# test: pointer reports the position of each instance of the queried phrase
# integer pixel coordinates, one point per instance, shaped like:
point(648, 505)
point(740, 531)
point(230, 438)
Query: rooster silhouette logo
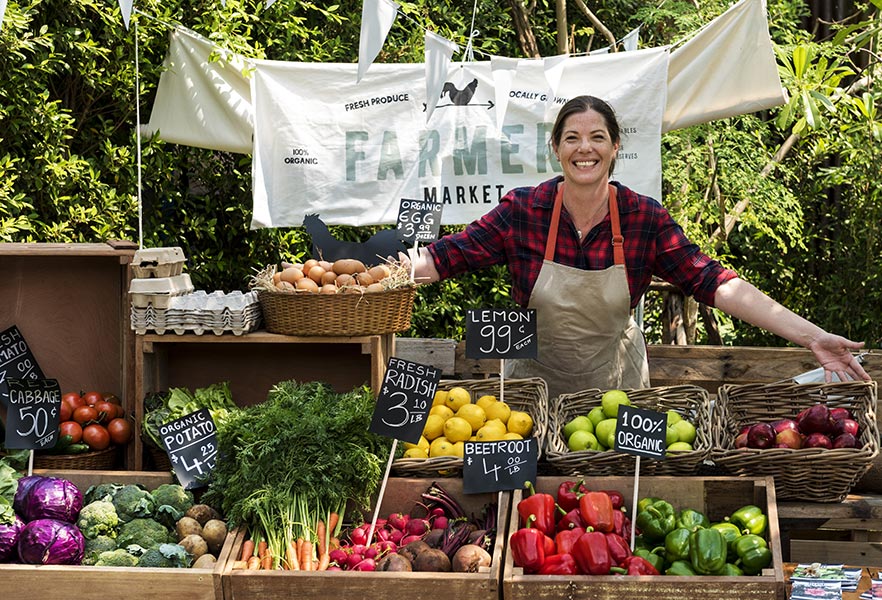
point(460, 97)
point(371, 252)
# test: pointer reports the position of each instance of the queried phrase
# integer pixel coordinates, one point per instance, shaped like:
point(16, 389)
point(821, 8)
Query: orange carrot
point(253, 563)
point(262, 547)
point(266, 563)
point(306, 562)
point(334, 543)
point(332, 522)
point(324, 561)
point(247, 550)
point(322, 544)
point(291, 560)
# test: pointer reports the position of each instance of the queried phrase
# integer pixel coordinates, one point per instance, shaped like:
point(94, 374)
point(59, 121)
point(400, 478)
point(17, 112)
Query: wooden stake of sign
point(636, 495)
point(382, 493)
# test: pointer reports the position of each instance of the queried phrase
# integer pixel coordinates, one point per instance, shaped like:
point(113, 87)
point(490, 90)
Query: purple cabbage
point(51, 542)
point(9, 534)
point(24, 486)
point(50, 498)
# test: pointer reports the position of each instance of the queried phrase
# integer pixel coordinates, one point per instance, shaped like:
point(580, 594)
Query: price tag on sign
point(191, 444)
point(404, 400)
point(501, 333)
point(418, 221)
point(16, 361)
point(33, 413)
point(497, 466)
point(641, 432)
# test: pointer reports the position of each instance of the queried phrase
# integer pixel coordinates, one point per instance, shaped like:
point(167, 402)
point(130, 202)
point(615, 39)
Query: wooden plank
point(440, 353)
point(858, 506)
point(867, 554)
point(63, 250)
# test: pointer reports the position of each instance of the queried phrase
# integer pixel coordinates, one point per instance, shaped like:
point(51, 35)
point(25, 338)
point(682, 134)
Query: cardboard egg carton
point(151, 263)
point(158, 292)
point(199, 313)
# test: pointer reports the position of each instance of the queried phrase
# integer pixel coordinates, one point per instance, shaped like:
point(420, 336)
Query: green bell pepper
point(677, 545)
point(653, 557)
point(707, 551)
point(656, 520)
point(753, 553)
point(680, 567)
point(692, 519)
point(730, 570)
point(750, 519)
point(644, 502)
point(730, 533)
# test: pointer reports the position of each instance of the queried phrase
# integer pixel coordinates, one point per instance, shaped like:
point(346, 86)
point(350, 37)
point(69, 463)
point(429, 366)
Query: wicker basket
point(344, 314)
point(158, 458)
point(810, 474)
point(528, 395)
point(98, 460)
point(692, 402)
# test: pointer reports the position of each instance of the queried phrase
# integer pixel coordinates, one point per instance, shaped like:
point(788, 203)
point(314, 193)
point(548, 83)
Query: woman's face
point(585, 150)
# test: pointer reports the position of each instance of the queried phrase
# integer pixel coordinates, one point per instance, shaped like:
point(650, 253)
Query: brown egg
point(379, 272)
point(344, 280)
point(375, 287)
point(309, 264)
point(277, 277)
point(329, 277)
point(327, 266)
point(285, 286)
point(291, 275)
point(316, 273)
point(328, 288)
point(364, 279)
point(307, 285)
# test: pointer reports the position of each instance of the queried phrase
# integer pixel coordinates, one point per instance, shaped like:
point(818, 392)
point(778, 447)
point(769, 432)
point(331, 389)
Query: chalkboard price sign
point(191, 444)
point(33, 413)
point(501, 333)
point(500, 465)
point(641, 432)
point(404, 400)
point(418, 221)
point(16, 361)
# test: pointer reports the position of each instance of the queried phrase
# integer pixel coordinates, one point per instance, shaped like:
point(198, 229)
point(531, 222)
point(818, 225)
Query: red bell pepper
point(550, 546)
point(559, 564)
point(617, 498)
point(540, 505)
point(621, 524)
point(592, 554)
point(571, 520)
point(619, 549)
point(564, 540)
point(528, 548)
point(568, 494)
point(637, 565)
point(597, 510)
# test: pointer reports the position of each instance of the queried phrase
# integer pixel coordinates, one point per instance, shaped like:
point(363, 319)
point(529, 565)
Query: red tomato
point(93, 398)
point(96, 436)
point(65, 411)
point(120, 431)
point(73, 429)
point(107, 411)
point(74, 399)
point(85, 414)
point(111, 397)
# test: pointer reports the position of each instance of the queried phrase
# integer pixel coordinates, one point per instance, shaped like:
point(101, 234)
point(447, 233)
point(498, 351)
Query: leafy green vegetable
point(116, 558)
point(160, 408)
point(143, 532)
point(290, 461)
point(8, 480)
point(165, 556)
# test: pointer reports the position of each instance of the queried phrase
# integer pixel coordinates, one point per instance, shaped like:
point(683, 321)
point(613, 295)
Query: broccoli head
point(96, 546)
point(172, 502)
point(102, 491)
point(143, 532)
point(165, 556)
point(116, 558)
point(98, 518)
point(133, 501)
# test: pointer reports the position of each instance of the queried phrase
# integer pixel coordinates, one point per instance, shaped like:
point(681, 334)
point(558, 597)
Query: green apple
point(671, 436)
point(596, 415)
point(580, 423)
point(605, 431)
point(611, 400)
point(685, 431)
point(673, 417)
point(680, 447)
point(582, 440)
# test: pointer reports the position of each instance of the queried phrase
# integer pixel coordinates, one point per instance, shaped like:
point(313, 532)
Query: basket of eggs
point(343, 298)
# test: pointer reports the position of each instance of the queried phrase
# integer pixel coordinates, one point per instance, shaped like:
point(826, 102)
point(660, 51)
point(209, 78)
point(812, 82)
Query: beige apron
point(584, 322)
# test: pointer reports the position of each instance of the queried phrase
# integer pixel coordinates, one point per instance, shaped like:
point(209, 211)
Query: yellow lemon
point(423, 444)
point(474, 414)
point(485, 401)
point(441, 447)
point(511, 435)
point(459, 449)
point(442, 411)
point(474, 438)
point(415, 453)
point(457, 429)
point(440, 397)
point(434, 427)
point(499, 410)
point(457, 397)
point(492, 431)
point(520, 422)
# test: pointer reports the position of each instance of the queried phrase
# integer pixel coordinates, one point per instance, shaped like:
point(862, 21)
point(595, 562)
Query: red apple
point(815, 420)
point(761, 435)
point(817, 440)
point(846, 426)
point(840, 413)
point(782, 424)
point(788, 438)
point(741, 440)
point(845, 440)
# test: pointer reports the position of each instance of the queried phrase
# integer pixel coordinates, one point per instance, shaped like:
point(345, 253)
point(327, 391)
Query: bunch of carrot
point(307, 551)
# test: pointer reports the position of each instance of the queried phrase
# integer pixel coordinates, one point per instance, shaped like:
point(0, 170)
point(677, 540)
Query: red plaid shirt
point(514, 233)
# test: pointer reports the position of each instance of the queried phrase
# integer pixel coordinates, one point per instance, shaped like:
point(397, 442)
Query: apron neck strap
point(617, 240)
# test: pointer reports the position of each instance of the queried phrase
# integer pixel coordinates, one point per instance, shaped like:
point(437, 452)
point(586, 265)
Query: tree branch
point(598, 25)
point(560, 10)
point(526, 39)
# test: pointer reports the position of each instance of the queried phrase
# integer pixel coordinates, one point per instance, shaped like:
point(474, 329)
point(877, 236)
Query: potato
point(214, 532)
point(206, 561)
point(195, 545)
point(364, 279)
point(375, 287)
point(348, 266)
point(343, 280)
point(202, 513)
point(285, 286)
point(187, 526)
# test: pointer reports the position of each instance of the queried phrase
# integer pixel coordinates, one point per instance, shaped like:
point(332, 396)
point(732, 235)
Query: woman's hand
point(834, 353)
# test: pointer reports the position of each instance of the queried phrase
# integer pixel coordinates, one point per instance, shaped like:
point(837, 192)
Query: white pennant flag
point(553, 67)
point(599, 51)
point(125, 7)
point(630, 41)
point(438, 51)
point(503, 70)
point(2, 12)
point(377, 17)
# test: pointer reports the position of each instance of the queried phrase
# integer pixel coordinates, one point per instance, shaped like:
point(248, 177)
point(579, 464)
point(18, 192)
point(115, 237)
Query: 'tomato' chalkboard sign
point(418, 221)
point(405, 399)
point(641, 432)
point(16, 360)
point(500, 465)
point(33, 413)
point(501, 333)
point(191, 443)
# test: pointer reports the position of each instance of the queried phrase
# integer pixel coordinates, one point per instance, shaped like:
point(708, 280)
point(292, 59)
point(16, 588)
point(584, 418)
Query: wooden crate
point(847, 541)
point(400, 496)
point(62, 582)
point(715, 496)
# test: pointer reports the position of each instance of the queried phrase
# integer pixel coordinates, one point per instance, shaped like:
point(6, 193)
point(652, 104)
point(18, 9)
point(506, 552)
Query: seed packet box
point(717, 497)
point(62, 582)
point(401, 495)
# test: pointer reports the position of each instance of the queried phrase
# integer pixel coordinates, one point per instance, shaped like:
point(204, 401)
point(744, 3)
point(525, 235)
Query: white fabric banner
point(2, 12)
point(377, 17)
point(350, 152)
point(438, 53)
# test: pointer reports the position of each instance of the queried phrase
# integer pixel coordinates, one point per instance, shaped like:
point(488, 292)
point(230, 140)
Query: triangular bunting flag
point(438, 54)
point(377, 17)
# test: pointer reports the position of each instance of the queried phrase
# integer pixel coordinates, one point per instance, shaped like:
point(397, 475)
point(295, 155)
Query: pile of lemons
point(454, 420)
